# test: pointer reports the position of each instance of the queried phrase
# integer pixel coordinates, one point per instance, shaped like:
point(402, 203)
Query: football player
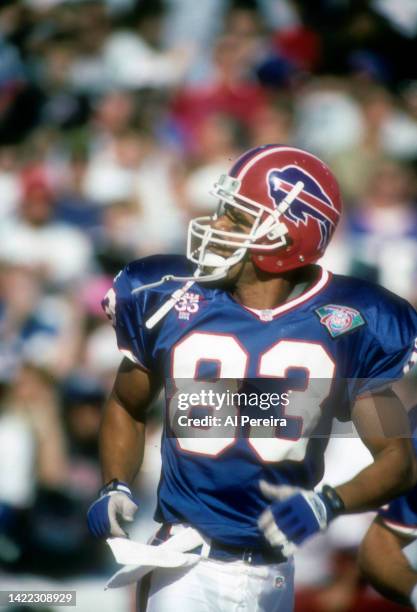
point(388, 553)
point(249, 305)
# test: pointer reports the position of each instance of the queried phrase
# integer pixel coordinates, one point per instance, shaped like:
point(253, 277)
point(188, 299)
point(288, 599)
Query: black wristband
point(333, 501)
point(114, 485)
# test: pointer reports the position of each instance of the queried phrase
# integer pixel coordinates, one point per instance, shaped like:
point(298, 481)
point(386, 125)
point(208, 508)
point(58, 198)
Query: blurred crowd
point(116, 117)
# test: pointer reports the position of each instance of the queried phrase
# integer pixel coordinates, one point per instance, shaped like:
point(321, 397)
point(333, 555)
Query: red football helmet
point(295, 203)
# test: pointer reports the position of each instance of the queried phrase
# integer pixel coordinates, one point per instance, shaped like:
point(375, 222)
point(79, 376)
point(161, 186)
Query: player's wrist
point(333, 502)
point(115, 485)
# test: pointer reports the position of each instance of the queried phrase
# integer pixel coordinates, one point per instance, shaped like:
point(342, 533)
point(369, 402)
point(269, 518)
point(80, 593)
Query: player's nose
point(222, 223)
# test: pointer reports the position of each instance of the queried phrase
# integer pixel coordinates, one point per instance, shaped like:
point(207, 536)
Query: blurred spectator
point(389, 128)
point(88, 71)
point(72, 206)
point(31, 433)
point(148, 65)
point(120, 239)
point(358, 40)
point(82, 402)
point(101, 355)
point(17, 452)
point(62, 105)
point(98, 357)
point(113, 114)
point(354, 131)
point(34, 327)
point(46, 534)
point(198, 24)
point(272, 124)
point(60, 252)
point(218, 138)
point(402, 15)
point(409, 96)
point(231, 91)
point(382, 231)
point(300, 46)
point(9, 182)
point(33, 395)
point(328, 119)
point(19, 99)
point(111, 173)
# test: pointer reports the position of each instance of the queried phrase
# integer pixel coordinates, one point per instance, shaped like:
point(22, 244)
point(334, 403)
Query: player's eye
point(235, 216)
point(230, 214)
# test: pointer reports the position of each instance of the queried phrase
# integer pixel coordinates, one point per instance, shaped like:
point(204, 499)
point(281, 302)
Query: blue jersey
point(401, 514)
point(340, 329)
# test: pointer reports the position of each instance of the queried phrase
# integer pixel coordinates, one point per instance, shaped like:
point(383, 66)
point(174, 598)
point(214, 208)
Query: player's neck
point(262, 291)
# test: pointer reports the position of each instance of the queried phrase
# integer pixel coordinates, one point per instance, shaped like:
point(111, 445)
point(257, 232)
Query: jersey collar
point(272, 313)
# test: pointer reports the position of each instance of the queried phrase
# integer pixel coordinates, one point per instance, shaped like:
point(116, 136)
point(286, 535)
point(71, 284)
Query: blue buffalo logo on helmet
point(312, 202)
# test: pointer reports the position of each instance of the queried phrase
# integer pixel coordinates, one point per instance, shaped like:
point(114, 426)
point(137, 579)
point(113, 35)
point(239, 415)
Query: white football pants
point(217, 586)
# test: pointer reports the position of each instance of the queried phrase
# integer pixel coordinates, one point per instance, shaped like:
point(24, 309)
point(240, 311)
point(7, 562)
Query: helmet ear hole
point(272, 234)
point(278, 230)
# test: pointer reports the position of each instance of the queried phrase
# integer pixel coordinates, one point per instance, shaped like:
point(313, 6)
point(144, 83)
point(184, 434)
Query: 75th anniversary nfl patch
point(339, 319)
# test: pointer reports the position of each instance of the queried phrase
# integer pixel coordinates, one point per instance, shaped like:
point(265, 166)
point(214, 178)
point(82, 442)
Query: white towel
point(138, 559)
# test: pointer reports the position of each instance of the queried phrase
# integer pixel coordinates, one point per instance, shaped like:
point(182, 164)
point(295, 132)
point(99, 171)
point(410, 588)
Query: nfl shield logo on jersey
point(339, 319)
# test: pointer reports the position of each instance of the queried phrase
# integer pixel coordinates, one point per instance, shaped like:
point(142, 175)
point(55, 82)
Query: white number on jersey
point(232, 361)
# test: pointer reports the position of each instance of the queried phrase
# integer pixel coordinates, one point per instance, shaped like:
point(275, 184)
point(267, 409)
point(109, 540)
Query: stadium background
point(115, 119)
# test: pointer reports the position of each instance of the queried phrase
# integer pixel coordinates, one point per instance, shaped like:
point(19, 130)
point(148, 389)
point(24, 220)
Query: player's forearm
point(383, 563)
point(122, 441)
point(393, 472)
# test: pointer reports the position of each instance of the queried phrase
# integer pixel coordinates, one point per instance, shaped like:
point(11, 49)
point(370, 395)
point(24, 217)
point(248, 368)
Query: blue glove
point(296, 514)
point(115, 500)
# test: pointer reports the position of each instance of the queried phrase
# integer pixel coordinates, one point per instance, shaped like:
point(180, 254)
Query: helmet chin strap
point(221, 267)
point(219, 264)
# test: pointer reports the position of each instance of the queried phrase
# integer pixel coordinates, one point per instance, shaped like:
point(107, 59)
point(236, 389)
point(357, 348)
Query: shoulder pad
point(390, 319)
point(151, 269)
point(126, 290)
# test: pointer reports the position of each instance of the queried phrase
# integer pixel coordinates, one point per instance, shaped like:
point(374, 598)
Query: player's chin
point(233, 271)
point(232, 276)
point(218, 283)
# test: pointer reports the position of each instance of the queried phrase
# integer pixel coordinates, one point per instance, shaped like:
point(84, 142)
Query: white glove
point(115, 502)
point(296, 514)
